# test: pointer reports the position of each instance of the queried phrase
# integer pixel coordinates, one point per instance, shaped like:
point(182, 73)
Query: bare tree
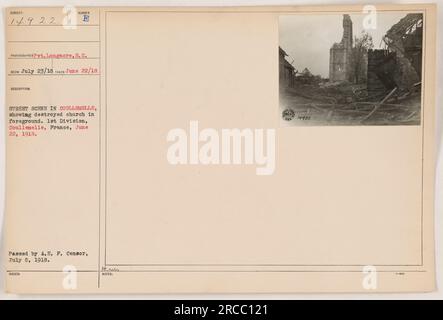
point(359, 57)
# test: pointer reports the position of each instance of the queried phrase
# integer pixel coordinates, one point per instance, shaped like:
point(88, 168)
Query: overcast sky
point(308, 38)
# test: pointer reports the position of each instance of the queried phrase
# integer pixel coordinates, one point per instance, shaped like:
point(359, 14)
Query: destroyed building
point(286, 70)
point(306, 77)
point(399, 64)
point(340, 54)
point(366, 86)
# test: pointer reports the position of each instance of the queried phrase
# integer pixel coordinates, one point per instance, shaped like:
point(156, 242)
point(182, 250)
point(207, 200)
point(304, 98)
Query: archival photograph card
point(220, 149)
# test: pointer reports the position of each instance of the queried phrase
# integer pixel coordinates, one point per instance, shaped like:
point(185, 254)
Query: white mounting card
point(220, 150)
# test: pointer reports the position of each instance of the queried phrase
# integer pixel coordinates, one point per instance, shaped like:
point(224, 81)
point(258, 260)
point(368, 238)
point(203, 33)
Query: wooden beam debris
point(378, 105)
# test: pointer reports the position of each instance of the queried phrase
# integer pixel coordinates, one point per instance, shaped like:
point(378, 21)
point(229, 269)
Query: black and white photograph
point(350, 69)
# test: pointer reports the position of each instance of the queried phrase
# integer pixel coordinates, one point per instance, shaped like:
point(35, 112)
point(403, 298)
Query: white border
point(439, 127)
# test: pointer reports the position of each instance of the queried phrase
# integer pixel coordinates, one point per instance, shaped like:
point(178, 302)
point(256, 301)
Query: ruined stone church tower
point(340, 53)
